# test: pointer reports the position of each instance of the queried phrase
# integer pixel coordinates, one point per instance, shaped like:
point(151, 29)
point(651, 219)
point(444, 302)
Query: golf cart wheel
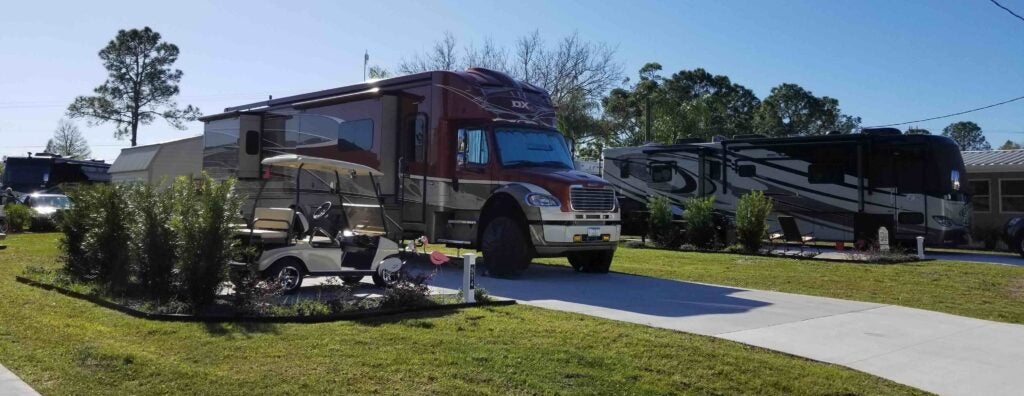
point(505, 247)
point(289, 273)
point(597, 262)
point(351, 280)
point(389, 272)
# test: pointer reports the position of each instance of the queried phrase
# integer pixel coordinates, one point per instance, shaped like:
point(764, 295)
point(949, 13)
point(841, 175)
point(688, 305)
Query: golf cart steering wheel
point(321, 210)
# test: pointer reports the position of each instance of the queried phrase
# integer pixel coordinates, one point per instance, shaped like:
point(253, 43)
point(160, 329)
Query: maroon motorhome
point(471, 159)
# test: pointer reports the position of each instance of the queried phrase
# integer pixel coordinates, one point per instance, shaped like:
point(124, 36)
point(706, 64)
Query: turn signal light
point(577, 238)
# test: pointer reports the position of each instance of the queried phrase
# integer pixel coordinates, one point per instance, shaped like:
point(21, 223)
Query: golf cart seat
point(270, 225)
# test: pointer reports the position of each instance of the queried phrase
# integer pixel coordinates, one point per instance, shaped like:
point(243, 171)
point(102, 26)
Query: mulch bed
point(354, 315)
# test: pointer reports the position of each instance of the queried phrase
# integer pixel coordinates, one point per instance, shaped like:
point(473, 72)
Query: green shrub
point(305, 308)
point(153, 250)
point(411, 291)
point(662, 231)
point(169, 245)
point(112, 238)
point(77, 249)
point(202, 221)
point(752, 219)
point(700, 221)
point(19, 217)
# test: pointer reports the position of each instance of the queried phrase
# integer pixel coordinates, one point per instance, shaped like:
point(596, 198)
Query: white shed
point(159, 162)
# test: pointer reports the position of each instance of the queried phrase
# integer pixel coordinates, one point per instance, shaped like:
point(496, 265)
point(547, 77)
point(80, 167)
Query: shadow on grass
point(412, 317)
point(243, 329)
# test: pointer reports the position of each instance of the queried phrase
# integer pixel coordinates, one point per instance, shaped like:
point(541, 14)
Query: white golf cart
point(346, 238)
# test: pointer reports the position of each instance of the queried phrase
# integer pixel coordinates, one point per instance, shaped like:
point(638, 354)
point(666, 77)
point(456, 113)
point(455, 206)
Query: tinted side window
point(746, 170)
point(252, 142)
point(355, 135)
point(661, 173)
point(825, 173)
point(473, 147)
point(714, 170)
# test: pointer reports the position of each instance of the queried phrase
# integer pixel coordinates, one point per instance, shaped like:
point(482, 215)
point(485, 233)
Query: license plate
point(593, 232)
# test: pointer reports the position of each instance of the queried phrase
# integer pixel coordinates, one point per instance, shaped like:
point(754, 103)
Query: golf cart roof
point(320, 164)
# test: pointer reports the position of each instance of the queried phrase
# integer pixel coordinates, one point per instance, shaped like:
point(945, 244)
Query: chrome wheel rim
point(289, 277)
point(389, 277)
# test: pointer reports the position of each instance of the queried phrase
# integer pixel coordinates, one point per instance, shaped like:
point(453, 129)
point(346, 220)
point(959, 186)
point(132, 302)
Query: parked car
point(46, 209)
point(6, 196)
point(1013, 234)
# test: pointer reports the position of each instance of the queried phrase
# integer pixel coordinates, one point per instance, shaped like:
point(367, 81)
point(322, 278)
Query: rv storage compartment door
point(249, 145)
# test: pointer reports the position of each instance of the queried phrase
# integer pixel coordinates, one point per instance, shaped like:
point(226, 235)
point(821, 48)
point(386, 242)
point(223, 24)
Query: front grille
point(592, 199)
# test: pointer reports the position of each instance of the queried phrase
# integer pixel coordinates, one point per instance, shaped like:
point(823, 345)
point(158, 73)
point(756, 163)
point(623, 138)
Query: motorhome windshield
point(27, 172)
point(951, 178)
point(532, 147)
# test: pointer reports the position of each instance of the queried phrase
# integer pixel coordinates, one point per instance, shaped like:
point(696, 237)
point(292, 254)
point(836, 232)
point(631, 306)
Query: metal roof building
point(994, 160)
point(997, 185)
point(159, 162)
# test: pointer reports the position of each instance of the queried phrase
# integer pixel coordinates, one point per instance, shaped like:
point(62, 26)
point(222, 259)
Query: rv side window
point(746, 170)
point(355, 135)
point(661, 172)
point(472, 147)
point(825, 173)
point(911, 218)
point(714, 170)
point(252, 142)
point(623, 169)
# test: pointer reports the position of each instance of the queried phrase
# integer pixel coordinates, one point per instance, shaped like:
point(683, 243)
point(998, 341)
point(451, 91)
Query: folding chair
point(790, 233)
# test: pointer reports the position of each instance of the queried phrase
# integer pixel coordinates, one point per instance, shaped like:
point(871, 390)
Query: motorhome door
point(413, 167)
point(909, 199)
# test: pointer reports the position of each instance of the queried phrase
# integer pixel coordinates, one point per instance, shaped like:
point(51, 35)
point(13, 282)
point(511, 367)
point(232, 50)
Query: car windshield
point(531, 147)
point(57, 201)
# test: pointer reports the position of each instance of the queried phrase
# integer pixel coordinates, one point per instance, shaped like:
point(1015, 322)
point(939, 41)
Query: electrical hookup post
point(883, 239)
point(469, 278)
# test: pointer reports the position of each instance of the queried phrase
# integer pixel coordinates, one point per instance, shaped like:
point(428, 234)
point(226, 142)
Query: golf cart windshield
point(364, 213)
point(365, 218)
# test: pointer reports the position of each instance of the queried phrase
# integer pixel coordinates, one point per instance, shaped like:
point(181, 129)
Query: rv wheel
point(505, 248)
point(597, 262)
point(289, 274)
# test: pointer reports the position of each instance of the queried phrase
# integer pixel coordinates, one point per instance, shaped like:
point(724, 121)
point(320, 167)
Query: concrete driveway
point(937, 352)
point(978, 257)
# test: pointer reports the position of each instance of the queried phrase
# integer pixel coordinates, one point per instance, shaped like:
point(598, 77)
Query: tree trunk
point(135, 128)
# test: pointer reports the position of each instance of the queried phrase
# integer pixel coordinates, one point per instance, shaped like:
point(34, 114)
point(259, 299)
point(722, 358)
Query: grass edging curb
point(356, 315)
point(783, 256)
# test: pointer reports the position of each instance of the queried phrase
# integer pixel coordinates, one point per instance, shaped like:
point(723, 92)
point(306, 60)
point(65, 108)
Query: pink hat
point(438, 258)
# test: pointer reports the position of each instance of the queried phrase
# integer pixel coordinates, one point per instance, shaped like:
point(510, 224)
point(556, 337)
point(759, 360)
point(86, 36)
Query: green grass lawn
point(61, 345)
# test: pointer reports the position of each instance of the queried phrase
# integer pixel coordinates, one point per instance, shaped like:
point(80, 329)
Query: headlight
point(46, 210)
point(943, 221)
point(542, 200)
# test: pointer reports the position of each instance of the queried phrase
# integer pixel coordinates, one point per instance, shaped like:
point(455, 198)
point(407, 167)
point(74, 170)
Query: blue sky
point(886, 61)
